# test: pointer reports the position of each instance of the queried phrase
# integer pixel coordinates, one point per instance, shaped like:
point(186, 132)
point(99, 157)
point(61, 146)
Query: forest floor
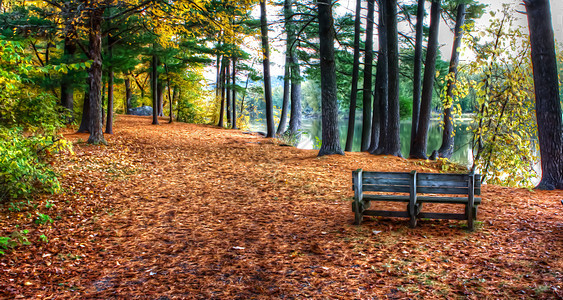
point(193, 211)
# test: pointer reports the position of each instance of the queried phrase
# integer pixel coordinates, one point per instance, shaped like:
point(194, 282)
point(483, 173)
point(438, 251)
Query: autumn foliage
point(193, 211)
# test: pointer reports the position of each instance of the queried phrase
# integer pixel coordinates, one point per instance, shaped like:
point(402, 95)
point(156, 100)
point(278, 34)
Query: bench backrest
point(426, 183)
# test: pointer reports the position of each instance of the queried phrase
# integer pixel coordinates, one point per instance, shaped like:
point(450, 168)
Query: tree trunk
point(286, 87)
point(392, 141)
point(548, 107)
point(417, 70)
point(154, 88)
point(447, 148)
point(295, 75)
point(160, 93)
point(228, 91)
point(234, 98)
point(379, 118)
point(368, 70)
point(128, 94)
point(85, 122)
point(267, 79)
point(355, 75)
point(330, 133)
point(95, 74)
point(418, 149)
point(222, 85)
point(109, 122)
point(67, 88)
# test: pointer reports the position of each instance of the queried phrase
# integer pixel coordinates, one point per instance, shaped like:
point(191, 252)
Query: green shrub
point(25, 163)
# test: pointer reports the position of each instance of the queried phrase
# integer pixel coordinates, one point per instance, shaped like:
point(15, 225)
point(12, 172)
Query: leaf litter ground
point(193, 211)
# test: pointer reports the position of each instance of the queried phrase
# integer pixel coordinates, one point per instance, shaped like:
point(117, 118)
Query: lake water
point(462, 151)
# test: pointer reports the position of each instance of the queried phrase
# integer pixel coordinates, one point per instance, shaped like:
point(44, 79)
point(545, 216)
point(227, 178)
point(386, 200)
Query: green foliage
point(18, 237)
point(25, 163)
point(43, 219)
point(504, 123)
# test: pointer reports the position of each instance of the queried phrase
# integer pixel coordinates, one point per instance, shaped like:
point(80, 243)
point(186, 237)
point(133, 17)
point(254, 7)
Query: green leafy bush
point(25, 163)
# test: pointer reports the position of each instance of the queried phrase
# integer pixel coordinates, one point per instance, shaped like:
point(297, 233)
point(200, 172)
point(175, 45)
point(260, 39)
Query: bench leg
point(358, 212)
point(414, 213)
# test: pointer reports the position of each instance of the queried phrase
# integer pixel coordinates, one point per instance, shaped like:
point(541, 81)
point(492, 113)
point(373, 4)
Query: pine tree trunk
point(154, 88)
point(109, 122)
point(128, 94)
point(67, 88)
point(234, 91)
point(95, 74)
point(447, 148)
point(379, 118)
point(548, 107)
point(368, 70)
point(267, 79)
point(286, 89)
point(85, 122)
point(294, 128)
point(330, 133)
point(355, 75)
point(222, 98)
point(228, 91)
point(392, 141)
point(160, 94)
point(418, 149)
point(416, 82)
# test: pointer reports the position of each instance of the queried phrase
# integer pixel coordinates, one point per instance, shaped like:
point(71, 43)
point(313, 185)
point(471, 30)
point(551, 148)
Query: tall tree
point(330, 133)
point(295, 73)
point(418, 149)
point(267, 78)
point(154, 87)
point(447, 147)
point(548, 107)
point(416, 81)
point(286, 89)
point(367, 96)
point(234, 98)
point(355, 75)
point(390, 142)
point(380, 102)
point(95, 18)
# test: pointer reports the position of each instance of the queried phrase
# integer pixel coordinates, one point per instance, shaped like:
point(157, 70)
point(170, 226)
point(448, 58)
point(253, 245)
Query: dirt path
point(189, 211)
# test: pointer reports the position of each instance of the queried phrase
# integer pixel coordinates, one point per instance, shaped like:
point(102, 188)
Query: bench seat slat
point(398, 175)
point(444, 190)
point(429, 215)
point(391, 198)
point(386, 188)
point(386, 213)
point(447, 200)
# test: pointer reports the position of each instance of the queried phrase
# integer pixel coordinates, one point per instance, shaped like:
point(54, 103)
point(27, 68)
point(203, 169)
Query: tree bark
point(447, 148)
point(85, 122)
point(368, 69)
point(128, 94)
point(234, 91)
point(154, 88)
point(548, 107)
point(67, 88)
point(222, 85)
point(355, 75)
point(379, 118)
point(228, 91)
point(286, 89)
point(95, 74)
point(416, 82)
point(295, 75)
point(109, 122)
point(330, 133)
point(392, 143)
point(418, 149)
point(267, 79)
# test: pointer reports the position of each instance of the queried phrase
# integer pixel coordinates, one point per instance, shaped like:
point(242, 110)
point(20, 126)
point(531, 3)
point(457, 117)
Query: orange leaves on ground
point(188, 211)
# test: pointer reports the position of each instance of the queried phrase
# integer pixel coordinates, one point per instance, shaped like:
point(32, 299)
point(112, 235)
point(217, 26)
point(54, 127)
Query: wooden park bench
point(415, 189)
